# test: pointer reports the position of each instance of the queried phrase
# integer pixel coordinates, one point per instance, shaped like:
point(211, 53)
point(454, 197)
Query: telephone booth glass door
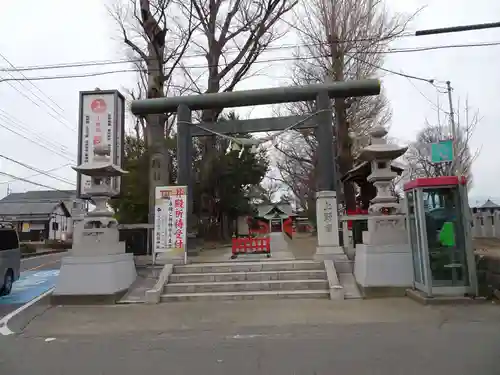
point(439, 234)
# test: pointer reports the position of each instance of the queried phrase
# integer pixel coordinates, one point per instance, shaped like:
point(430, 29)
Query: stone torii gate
point(326, 202)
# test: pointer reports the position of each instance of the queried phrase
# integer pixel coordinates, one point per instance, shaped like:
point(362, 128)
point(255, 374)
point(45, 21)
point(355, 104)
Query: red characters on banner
point(179, 223)
point(179, 203)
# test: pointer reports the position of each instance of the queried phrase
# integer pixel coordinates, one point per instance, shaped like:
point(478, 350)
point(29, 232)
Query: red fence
point(248, 245)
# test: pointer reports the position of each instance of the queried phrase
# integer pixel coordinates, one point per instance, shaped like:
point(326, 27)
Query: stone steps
point(245, 286)
point(248, 276)
point(247, 280)
point(230, 296)
point(237, 266)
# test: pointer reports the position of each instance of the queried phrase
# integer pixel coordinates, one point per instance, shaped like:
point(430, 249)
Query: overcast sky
point(61, 31)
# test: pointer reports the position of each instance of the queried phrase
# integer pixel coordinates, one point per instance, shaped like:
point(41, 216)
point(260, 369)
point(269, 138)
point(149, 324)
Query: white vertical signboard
point(101, 121)
point(170, 233)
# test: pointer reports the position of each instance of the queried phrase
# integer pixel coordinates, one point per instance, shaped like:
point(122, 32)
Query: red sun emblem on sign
point(98, 105)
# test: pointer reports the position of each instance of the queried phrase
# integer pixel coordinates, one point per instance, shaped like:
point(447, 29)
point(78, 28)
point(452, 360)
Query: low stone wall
point(488, 275)
point(486, 224)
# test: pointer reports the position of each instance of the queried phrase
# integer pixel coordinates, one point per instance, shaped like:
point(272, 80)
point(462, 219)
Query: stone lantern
point(98, 266)
point(383, 262)
point(380, 155)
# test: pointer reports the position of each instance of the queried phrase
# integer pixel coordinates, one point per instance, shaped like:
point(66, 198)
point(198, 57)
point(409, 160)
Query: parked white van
point(10, 258)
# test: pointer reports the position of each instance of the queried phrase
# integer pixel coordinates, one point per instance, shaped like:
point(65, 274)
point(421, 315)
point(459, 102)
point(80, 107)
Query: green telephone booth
point(438, 222)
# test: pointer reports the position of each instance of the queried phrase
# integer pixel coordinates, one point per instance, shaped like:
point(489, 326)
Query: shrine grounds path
point(284, 337)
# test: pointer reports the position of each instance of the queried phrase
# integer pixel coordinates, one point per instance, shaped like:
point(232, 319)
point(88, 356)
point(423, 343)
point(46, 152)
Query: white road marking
point(258, 335)
point(42, 256)
point(4, 329)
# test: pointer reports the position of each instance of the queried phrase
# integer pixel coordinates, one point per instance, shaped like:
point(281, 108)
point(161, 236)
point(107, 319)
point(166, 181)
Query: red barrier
point(247, 245)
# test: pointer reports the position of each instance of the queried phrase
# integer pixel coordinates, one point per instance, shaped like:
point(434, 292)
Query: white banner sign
point(101, 122)
point(170, 230)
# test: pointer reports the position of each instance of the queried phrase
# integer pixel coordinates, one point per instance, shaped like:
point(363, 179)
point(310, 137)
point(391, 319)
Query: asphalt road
point(375, 348)
point(43, 262)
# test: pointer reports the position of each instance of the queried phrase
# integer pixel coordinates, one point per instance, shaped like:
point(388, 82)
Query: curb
point(17, 320)
point(34, 255)
point(154, 295)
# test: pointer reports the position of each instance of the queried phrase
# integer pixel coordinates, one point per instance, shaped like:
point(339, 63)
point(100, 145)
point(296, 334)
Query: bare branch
point(332, 31)
point(418, 156)
point(248, 25)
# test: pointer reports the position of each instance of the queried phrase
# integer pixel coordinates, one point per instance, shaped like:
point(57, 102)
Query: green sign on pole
point(442, 151)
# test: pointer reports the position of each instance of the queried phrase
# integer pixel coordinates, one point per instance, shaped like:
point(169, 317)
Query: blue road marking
point(30, 285)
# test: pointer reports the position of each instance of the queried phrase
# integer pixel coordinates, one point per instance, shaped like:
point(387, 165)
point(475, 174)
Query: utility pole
point(453, 130)
point(454, 29)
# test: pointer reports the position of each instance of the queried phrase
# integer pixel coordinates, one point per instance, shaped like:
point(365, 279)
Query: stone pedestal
point(328, 227)
point(383, 264)
point(97, 268)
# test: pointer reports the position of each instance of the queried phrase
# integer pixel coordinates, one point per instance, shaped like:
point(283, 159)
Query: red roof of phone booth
point(435, 182)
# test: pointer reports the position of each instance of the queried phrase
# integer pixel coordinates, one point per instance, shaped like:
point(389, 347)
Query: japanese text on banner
point(170, 226)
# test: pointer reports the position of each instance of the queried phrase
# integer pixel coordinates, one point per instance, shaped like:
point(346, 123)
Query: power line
point(38, 174)
point(269, 49)
point(402, 74)
point(19, 124)
point(194, 55)
point(202, 66)
point(35, 95)
point(438, 108)
point(94, 74)
point(65, 156)
point(30, 99)
point(28, 181)
point(37, 170)
point(36, 87)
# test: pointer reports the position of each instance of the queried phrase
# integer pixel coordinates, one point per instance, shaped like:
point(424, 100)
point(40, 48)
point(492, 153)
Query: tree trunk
point(159, 171)
point(343, 141)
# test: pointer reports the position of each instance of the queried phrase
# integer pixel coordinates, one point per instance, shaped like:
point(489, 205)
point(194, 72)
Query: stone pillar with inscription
point(383, 265)
point(327, 226)
point(97, 267)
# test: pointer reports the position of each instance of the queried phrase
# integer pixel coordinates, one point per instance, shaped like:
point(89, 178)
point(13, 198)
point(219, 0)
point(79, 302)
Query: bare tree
point(418, 156)
point(345, 39)
point(268, 189)
point(247, 26)
point(232, 35)
point(157, 41)
point(135, 94)
point(296, 162)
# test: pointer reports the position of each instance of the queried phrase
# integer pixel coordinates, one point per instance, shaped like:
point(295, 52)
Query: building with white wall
point(41, 215)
